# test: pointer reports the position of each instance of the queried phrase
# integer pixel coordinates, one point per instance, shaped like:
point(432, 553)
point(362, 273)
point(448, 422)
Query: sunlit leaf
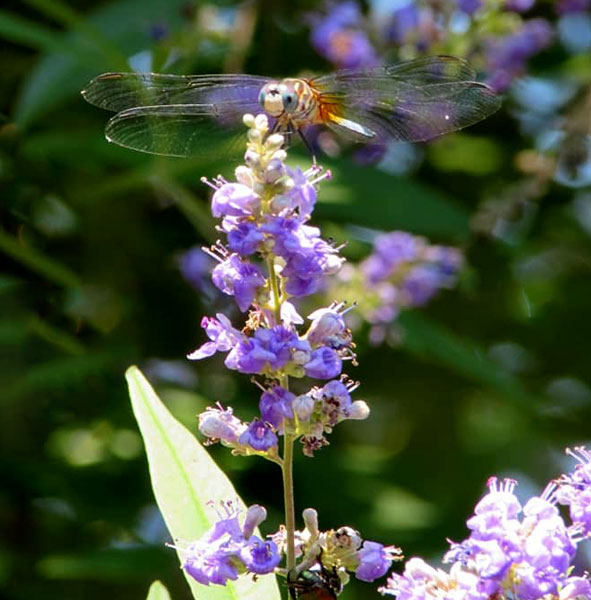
point(158, 592)
point(185, 479)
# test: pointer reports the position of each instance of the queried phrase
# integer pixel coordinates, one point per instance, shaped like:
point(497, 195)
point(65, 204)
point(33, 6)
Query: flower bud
point(311, 521)
point(274, 170)
point(303, 407)
point(301, 356)
point(274, 142)
point(359, 410)
point(252, 158)
point(255, 515)
point(261, 122)
point(254, 136)
point(244, 175)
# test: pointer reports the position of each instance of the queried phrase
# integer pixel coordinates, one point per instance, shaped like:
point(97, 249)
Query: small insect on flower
point(175, 115)
point(316, 583)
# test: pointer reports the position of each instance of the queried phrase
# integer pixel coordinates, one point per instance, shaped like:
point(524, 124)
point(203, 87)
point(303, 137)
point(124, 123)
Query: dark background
point(492, 377)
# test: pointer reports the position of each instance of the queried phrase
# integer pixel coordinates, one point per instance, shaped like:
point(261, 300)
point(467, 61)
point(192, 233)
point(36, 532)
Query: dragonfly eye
point(290, 101)
point(271, 100)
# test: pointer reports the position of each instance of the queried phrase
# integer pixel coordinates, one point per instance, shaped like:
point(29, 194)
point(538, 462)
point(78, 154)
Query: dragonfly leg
point(308, 146)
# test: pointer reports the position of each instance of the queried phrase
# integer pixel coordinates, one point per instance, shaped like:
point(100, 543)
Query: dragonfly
point(187, 115)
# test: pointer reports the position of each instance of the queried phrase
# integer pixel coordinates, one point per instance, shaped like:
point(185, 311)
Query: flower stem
point(274, 289)
point(287, 469)
point(288, 439)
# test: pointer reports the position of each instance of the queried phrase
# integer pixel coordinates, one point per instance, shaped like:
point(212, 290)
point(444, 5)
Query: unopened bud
point(255, 515)
point(358, 410)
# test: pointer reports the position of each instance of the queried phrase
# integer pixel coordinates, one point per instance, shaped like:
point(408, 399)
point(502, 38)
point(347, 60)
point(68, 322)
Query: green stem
point(288, 439)
point(274, 280)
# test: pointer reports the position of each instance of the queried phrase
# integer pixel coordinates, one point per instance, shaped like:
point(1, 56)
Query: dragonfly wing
point(422, 71)
point(413, 101)
point(121, 91)
point(179, 129)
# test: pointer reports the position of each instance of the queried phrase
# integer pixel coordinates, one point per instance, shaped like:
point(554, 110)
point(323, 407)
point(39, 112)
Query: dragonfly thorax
point(289, 96)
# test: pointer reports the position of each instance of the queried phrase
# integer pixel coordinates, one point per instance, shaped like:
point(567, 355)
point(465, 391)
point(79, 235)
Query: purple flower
point(226, 550)
point(575, 588)
point(303, 192)
point(220, 424)
point(336, 401)
point(158, 31)
point(374, 561)
point(260, 557)
point(421, 284)
point(405, 20)
point(276, 405)
point(212, 558)
point(222, 335)
point(338, 37)
point(574, 490)
point(390, 251)
point(328, 326)
point(506, 56)
point(195, 266)
point(234, 199)
point(259, 436)
point(269, 349)
point(519, 5)
point(418, 580)
point(238, 278)
point(324, 363)
point(469, 6)
point(249, 356)
point(528, 551)
point(245, 238)
point(207, 563)
point(565, 7)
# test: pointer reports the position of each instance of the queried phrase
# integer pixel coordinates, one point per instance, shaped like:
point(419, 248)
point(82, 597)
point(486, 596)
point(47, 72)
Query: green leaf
point(100, 42)
point(372, 198)
point(475, 155)
point(185, 479)
point(158, 592)
point(439, 345)
point(109, 565)
point(38, 262)
point(21, 31)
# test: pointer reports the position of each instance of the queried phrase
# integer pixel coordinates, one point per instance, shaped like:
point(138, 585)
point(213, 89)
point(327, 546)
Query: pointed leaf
point(158, 592)
point(185, 479)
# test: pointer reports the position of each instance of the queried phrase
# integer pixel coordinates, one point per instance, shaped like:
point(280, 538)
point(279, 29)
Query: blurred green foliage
point(492, 377)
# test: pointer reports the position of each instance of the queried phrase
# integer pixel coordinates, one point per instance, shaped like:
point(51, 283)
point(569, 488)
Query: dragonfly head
point(277, 98)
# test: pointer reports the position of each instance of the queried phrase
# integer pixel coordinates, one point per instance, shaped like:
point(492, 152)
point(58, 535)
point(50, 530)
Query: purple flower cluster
point(502, 45)
point(417, 26)
point(404, 271)
point(566, 7)
point(228, 550)
point(574, 491)
point(507, 56)
point(271, 256)
point(513, 551)
point(322, 408)
point(339, 37)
